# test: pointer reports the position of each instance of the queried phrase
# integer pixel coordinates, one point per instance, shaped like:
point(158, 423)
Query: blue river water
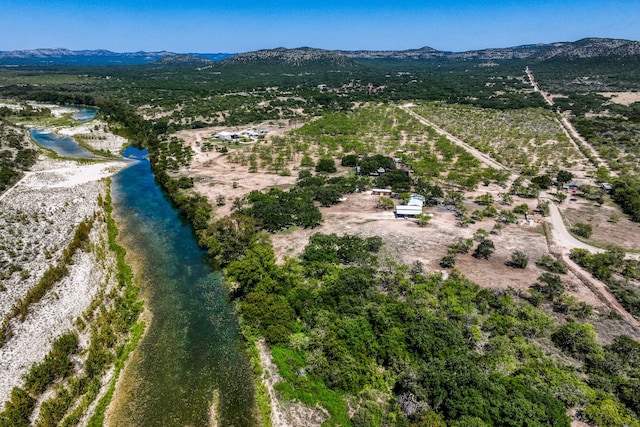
point(65, 146)
point(85, 114)
point(193, 344)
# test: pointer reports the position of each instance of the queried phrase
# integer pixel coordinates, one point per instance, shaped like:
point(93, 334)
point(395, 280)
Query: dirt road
point(561, 235)
point(487, 160)
point(568, 128)
point(564, 242)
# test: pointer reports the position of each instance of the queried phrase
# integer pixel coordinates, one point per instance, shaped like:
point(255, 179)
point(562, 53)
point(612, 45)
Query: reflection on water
point(85, 114)
point(193, 345)
point(65, 146)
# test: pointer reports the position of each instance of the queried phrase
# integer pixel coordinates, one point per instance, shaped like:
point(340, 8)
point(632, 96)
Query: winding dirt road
point(563, 243)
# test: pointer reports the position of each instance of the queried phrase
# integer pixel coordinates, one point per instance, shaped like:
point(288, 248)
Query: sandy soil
point(215, 176)
point(95, 133)
point(38, 217)
point(623, 232)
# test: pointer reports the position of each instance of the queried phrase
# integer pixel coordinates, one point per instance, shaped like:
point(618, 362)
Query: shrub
point(583, 230)
point(485, 249)
point(552, 265)
point(326, 164)
point(521, 209)
point(448, 261)
point(518, 260)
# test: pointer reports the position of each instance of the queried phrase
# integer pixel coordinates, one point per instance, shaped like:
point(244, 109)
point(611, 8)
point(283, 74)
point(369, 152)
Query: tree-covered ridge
point(407, 348)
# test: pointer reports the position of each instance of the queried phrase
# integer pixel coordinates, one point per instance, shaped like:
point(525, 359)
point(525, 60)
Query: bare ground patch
point(619, 232)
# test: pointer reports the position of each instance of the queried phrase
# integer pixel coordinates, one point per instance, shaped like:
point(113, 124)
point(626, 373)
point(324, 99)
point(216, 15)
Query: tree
point(373, 163)
point(484, 249)
point(460, 246)
point(563, 176)
point(551, 264)
point(518, 260)
point(484, 199)
point(553, 286)
point(326, 164)
point(350, 160)
point(542, 181)
point(577, 340)
point(521, 209)
point(583, 230)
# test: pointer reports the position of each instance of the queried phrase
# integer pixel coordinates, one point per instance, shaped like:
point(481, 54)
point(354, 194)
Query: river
point(193, 344)
point(192, 348)
point(65, 146)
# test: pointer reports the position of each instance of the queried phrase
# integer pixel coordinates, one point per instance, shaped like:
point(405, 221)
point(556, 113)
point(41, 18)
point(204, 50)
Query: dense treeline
point(415, 349)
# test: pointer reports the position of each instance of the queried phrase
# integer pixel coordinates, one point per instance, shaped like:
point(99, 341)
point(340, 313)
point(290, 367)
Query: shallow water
point(85, 114)
point(65, 146)
point(193, 344)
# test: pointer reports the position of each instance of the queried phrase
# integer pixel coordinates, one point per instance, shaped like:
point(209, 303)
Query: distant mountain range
point(92, 57)
point(585, 48)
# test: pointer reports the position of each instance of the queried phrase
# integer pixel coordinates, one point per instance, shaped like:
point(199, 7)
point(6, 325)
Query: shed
point(381, 192)
point(408, 210)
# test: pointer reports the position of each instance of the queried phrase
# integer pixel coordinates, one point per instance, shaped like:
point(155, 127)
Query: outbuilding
point(408, 210)
point(381, 192)
point(226, 135)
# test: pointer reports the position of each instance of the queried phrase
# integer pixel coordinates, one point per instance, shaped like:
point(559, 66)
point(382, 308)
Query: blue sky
point(244, 25)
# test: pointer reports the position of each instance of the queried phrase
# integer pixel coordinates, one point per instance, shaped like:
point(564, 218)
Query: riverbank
point(38, 217)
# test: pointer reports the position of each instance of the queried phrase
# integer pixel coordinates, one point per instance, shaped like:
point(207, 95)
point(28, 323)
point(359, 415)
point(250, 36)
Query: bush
point(552, 265)
point(521, 209)
point(327, 165)
point(448, 261)
point(518, 260)
point(583, 230)
point(485, 249)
